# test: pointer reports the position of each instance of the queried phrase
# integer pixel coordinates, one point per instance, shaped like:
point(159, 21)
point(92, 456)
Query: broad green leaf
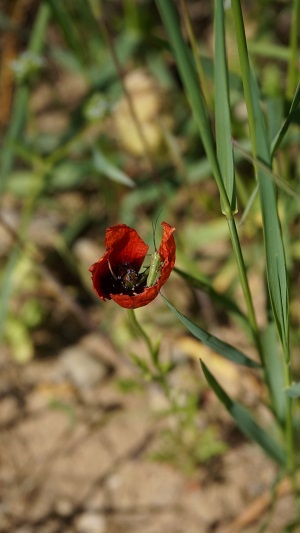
point(293, 391)
point(108, 169)
point(222, 108)
point(245, 420)
point(221, 347)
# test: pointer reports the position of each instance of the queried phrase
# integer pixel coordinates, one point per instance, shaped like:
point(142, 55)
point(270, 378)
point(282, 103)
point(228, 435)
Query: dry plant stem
point(258, 508)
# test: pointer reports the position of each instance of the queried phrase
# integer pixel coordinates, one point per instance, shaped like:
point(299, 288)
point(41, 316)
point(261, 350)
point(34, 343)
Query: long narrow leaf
point(222, 107)
point(275, 257)
point(205, 286)
point(274, 370)
point(20, 101)
point(221, 347)
point(108, 169)
point(63, 16)
point(280, 135)
point(245, 421)
point(193, 90)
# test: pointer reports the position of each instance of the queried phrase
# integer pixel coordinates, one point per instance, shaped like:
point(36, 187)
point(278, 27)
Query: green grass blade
point(221, 347)
point(108, 169)
point(275, 257)
point(17, 120)
point(20, 101)
point(62, 14)
point(193, 90)
point(205, 286)
point(194, 93)
point(293, 70)
point(284, 128)
point(222, 107)
point(245, 421)
point(268, 172)
point(274, 371)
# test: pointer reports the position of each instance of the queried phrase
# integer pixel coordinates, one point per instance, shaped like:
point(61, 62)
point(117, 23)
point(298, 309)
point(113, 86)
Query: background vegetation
point(122, 112)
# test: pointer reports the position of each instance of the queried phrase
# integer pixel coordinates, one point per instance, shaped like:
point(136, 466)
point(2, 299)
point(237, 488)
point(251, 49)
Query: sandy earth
point(74, 457)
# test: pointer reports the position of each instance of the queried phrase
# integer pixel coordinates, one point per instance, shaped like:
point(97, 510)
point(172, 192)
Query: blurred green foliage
point(100, 131)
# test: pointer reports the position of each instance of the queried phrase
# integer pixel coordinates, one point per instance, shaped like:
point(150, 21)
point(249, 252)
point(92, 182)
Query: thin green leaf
point(274, 370)
point(222, 108)
point(108, 169)
point(249, 204)
point(193, 91)
point(284, 128)
point(275, 257)
point(293, 68)
point(245, 421)
point(221, 347)
point(268, 171)
point(140, 363)
point(20, 101)
point(200, 112)
point(205, 286)
point(62, 15)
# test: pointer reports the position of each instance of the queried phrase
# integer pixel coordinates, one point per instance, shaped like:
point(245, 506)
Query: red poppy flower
point(117, 274)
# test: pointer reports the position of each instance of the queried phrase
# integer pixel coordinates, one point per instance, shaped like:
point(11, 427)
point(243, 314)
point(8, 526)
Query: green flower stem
point(137, 326)
point(236, 245)
point(289, 428)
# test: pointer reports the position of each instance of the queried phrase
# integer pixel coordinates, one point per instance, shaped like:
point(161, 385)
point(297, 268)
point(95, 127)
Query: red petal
point(167, 252)
point(139, 300)
point(100, 272)
point(125, 246)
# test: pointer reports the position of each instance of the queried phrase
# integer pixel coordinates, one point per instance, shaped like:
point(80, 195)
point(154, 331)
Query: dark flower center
point(127, 280)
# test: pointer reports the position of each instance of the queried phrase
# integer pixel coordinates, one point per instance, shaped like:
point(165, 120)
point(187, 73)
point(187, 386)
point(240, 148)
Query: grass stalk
point(293, 68)
point(274, 249)
point(20, 102)
point(197, 102)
